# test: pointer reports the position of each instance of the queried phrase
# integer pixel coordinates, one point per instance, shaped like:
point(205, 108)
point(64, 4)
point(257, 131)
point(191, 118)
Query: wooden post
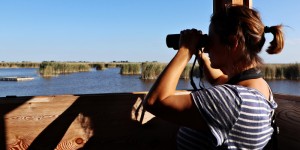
point(220, 4)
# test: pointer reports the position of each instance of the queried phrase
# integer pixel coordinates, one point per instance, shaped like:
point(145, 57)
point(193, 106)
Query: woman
point(236, 112)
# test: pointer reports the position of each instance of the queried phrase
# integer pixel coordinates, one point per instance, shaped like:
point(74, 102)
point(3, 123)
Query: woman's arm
point(213, 76)
point(161, 99)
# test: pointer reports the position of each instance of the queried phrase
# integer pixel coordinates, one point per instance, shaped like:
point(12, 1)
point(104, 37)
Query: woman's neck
point(233, 71)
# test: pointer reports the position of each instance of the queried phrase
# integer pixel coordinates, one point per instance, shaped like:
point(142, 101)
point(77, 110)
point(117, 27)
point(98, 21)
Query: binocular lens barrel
point(172, 41)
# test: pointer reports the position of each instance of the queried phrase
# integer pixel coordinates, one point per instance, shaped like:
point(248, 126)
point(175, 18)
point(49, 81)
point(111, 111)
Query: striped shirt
point(238, 118)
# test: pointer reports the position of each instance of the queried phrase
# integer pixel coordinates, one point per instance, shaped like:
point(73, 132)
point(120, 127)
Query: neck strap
point(252, 73)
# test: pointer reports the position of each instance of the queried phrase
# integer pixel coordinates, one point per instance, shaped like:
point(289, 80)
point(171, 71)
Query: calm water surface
point(94, 82)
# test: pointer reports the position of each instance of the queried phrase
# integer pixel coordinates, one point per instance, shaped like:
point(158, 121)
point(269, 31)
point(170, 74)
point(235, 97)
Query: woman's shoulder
point(244, 91)
point(216, 93)
point(229, 90)
point(238, 88)
point(252, 94)
point(226, 88)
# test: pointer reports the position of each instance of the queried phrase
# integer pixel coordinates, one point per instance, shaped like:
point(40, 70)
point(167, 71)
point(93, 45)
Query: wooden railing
point(79, 121)
point(104, 121)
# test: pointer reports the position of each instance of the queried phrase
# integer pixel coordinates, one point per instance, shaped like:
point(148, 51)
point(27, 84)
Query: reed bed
point(281, 71)
point(153, 70)
point(56, 68)
point(110, 65)
point(148, 70)
point(130, 69)
point(187, 71)
point(100, 66)
point(19, 64)
point(270, 71)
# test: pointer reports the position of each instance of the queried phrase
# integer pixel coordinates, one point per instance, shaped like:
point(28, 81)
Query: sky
point(121, 30)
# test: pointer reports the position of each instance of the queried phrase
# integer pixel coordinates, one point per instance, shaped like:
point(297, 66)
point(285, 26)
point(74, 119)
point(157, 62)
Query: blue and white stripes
point(238, 117)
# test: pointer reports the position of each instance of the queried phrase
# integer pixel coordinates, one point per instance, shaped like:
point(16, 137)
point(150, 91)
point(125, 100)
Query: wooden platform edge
point(103, 121)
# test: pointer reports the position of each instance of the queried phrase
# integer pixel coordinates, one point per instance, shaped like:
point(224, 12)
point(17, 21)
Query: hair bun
point(267, 29)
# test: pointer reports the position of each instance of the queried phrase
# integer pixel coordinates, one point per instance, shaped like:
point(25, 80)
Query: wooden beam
point(220, 4)
point(237, 2)
point(248, 3)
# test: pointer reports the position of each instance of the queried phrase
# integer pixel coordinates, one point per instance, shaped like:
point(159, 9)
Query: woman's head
point(241, 33)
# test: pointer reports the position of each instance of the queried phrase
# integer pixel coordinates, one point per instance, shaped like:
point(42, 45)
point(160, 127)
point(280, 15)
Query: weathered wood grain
point(79, 122)
point(288, 120)
point(26, 122)
point(104, 122)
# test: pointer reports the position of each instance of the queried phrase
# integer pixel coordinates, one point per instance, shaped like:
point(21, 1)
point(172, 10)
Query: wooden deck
point(103, 121)
point(15, 78)
point(288, 120)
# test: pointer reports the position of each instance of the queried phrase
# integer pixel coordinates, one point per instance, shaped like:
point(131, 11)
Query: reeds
point(56, 68)
point(281, 71)
point(19, 64)
point(151, 70)
point(148, 70)
point(110, 65)
point(186, 72)
point(100, 66)
point(270, 71)
point(292, 72)
point(130, 69)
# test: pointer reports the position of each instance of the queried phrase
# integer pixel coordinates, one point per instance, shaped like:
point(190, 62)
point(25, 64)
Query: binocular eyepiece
point(172, 41)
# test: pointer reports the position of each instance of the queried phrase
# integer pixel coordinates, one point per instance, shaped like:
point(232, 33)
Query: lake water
point(95, 82)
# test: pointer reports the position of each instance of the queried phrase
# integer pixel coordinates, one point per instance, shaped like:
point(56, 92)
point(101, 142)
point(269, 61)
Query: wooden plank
point(237, 2)
point(85, 121)
point(288, 120)
point(104, 122)
point(16, 78)
point(286, 97)
point(28, 120)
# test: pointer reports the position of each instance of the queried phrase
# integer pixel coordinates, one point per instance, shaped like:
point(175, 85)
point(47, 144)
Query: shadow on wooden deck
point(80, 122)
point(103, 122)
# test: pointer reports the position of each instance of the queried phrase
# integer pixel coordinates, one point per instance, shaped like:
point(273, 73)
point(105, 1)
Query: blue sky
point(119, 30)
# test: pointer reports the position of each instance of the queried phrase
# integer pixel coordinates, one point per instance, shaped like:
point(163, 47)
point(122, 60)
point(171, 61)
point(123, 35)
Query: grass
point(130, 69)
point(23, 64)
point(281, 71)
point(55, 68)
point(110, 65)
point(270, 71)
point(99, 66)
point(151, 70)
point(148, 70)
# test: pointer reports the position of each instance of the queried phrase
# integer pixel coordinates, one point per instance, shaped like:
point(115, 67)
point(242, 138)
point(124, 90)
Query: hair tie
point(267, 29)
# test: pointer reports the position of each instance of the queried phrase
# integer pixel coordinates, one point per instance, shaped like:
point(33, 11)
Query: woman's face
point(217, 51)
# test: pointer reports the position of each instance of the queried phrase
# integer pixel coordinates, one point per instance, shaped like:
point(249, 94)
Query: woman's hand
point(189, 39)
point(213, 76)
point(203, 57)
